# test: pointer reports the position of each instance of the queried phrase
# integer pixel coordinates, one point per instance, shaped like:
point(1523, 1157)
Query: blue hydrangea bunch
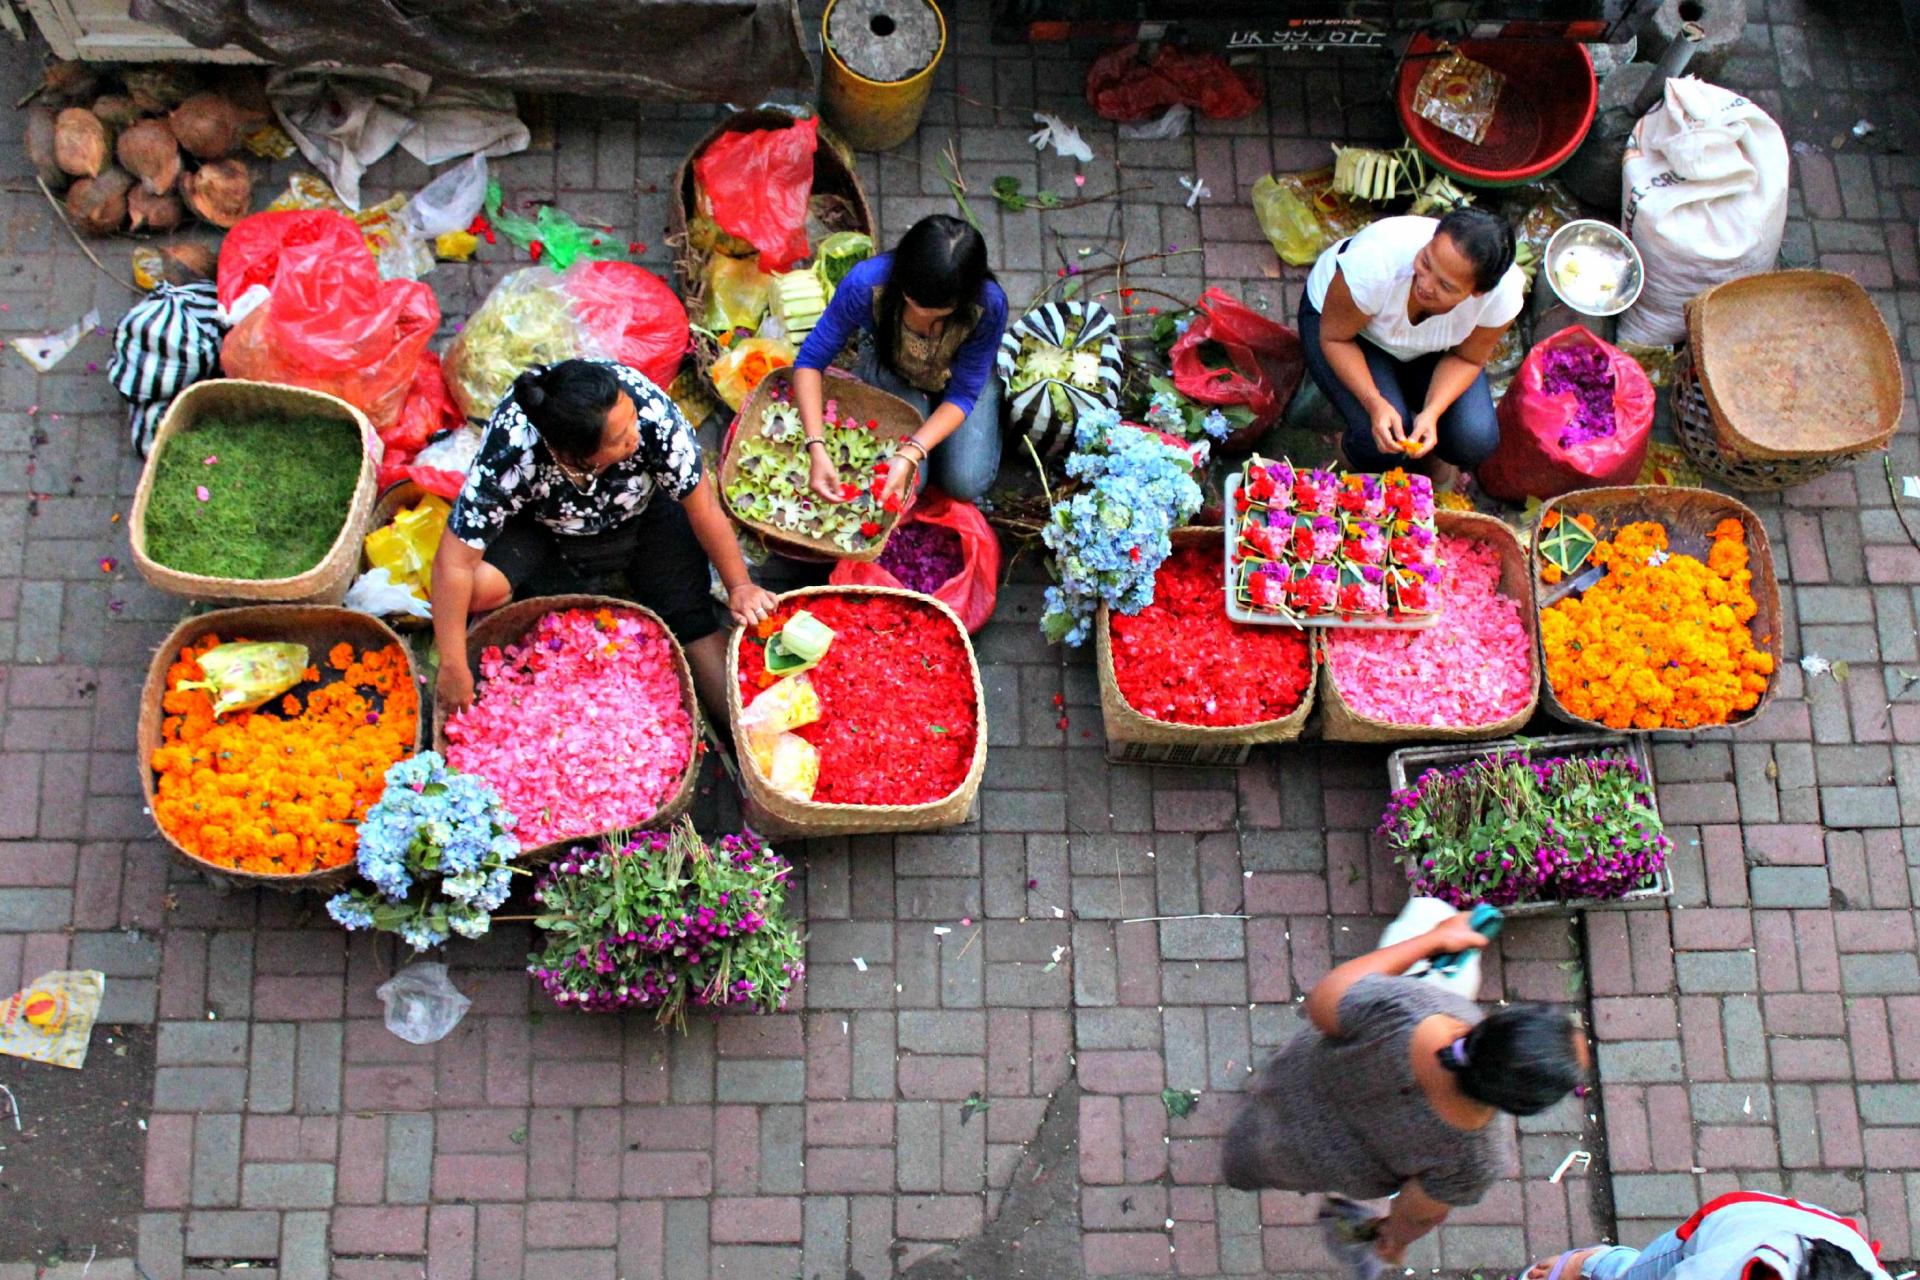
point(437, 850)
point(1109, 539)
point(1173, 413)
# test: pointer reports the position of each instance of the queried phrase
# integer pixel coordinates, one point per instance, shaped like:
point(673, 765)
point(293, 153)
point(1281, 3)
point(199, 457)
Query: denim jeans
point(1621, 1263)
point(964, 465)
point(1468, 430)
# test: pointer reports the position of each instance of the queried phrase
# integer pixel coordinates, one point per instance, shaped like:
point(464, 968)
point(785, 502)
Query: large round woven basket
point(774, 814)
point(1126, 726)
point(509, 624)
point(1339, 722)
point(319, 627)
point(326, 582)
point(893, 419)
point(837, 191)
point(1694, 427)
point(1795, 365)
point(1689, 516)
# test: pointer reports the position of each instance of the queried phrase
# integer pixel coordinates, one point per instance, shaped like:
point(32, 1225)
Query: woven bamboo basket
point(773, 814)
point(508, 624)
point(1689, 516)
point(319, 627)
point(326, 582)
point(838, 198)
point(1339, 722)
point(1795, 365)
point(896, 418)
point(1133, 738)
point(1693, 426)
point(394, 499)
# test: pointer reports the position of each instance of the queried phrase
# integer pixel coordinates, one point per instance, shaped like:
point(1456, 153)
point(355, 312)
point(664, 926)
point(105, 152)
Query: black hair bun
point(528, 388)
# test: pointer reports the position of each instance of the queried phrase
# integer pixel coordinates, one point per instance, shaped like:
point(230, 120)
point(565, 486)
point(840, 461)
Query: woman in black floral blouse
point(589, 474)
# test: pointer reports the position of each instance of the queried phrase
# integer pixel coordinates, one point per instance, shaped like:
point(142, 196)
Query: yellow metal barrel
point(880, 60)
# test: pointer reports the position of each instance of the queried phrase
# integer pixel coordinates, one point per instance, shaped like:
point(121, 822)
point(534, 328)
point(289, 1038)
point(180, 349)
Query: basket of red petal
point(1474, 674)
point(763, 469)
point(583, 721)
point(1181, 683)
point(266, 733)
point(857, 709)
point(942, 548)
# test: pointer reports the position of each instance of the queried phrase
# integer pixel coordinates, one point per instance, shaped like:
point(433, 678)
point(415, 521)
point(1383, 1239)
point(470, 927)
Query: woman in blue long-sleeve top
point(929, 317)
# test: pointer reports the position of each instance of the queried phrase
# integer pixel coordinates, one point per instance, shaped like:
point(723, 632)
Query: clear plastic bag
point(1459, 95)
point(422, 1003)
point(245, 675)
point(528, 319)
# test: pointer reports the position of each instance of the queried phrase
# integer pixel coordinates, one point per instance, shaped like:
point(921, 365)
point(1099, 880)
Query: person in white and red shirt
point(1743, 1235)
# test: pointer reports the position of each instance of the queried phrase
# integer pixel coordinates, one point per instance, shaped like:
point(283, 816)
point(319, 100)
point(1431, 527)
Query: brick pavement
point(1765, 1032)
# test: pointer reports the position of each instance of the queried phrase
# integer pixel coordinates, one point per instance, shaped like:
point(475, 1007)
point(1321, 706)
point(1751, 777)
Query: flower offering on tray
point(1182, 661)
point(1661, 641)
point(280, 789)
point(580, 727)
point(1504, 828)
point(1475, 667)
point(1329, 547)
point(897, 713)
point(772, 481)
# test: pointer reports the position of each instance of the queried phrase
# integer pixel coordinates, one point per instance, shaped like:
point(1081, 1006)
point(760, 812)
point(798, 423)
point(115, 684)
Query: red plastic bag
point(1265, 362)
point(1121, 87)
point(633, 313)
point(329, 323)
point(758, 184)
point(1536, 458)
point(971, 592)
point(427, 411)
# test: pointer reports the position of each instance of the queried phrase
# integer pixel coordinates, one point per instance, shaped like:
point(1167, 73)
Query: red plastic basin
point(1543, 113)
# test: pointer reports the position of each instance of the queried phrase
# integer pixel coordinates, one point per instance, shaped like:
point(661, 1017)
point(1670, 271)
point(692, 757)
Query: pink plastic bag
point(330, 323)
point(971, 593)
point(758, 184)
point(632, 313)
point(1541, 452)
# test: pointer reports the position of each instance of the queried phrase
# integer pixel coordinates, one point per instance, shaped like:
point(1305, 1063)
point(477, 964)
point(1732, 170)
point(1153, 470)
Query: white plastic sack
point(449, 202)
point(422, 1003)
point(1703, 197)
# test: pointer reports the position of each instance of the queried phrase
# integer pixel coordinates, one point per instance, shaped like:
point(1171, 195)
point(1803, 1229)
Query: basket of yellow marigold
point(1681, 630)
point(272, 797)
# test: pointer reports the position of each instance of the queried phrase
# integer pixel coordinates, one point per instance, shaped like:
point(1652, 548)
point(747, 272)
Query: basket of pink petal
point(1474, 674)
point(583, 720)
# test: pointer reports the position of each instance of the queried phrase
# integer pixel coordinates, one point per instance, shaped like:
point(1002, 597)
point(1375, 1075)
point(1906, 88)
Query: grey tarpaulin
point(666, 50)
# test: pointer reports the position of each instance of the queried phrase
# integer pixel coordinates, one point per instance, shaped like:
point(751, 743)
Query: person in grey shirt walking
point(1392, 1090)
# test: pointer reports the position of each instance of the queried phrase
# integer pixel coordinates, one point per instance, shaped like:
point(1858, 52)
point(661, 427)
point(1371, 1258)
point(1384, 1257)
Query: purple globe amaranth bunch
point(662, 921)
point(1505, 828)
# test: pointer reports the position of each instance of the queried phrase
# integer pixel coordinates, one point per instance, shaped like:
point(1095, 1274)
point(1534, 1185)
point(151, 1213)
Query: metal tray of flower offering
point(1408, 763)
point(1403, 622)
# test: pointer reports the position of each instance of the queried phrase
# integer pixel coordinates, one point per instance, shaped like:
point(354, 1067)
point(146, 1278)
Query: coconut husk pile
point(143, 148)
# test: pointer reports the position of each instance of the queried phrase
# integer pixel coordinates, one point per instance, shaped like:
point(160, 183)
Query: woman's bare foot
point(1573, 1262)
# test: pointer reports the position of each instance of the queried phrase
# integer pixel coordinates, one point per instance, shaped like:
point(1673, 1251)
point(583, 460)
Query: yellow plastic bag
point(1302, 216)
point(741, 367)
point(786, 705)
point(405, 547)
point(794, 767)
point(242, 676)
point(738, 294)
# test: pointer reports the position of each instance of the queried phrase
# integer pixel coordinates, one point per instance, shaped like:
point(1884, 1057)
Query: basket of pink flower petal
point(1474, 674)
point(583, 720)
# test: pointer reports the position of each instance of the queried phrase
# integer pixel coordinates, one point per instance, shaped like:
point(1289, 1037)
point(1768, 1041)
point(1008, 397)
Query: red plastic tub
point(1543, 114)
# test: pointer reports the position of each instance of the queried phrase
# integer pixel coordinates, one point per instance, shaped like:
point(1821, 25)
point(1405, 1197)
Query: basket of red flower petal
point(885, 730)
point(763, 469)
point(1475, 674)
point(1658, 609)
point(266, 732)
point(1180, 683)
point(583, 721)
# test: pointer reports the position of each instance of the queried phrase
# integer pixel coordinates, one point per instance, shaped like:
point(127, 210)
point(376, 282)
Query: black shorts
point(652, 559)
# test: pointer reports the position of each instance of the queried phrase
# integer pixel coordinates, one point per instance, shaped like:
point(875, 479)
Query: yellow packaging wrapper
point(789, 763)
point(51, 1018)
point(455, 246)
point(786, 705)
point(737, 294)
point(242, 676)
point(405, 547)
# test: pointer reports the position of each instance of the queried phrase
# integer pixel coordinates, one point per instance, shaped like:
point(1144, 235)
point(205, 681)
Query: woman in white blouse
point(1398, 321)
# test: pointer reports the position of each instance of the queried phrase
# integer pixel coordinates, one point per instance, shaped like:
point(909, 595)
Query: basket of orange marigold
point(272, 797)
point(1681, 630)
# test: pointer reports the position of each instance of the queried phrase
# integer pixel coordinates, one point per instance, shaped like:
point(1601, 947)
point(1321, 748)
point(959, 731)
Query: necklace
point(581, 479)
